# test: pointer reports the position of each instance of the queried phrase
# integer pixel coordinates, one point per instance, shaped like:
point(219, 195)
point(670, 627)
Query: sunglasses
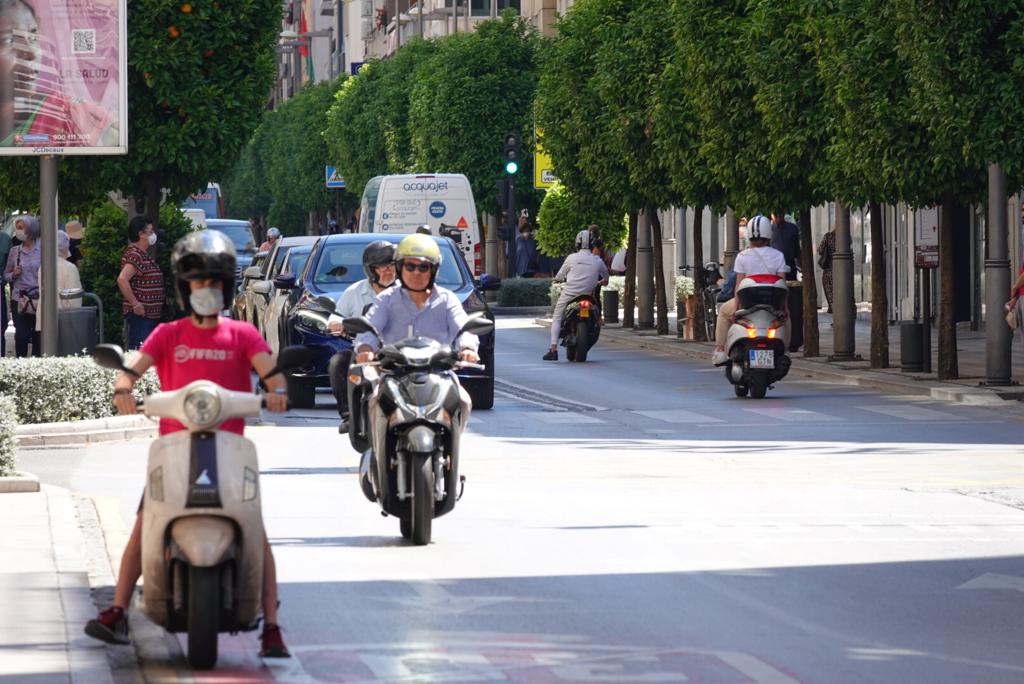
point(412, 268)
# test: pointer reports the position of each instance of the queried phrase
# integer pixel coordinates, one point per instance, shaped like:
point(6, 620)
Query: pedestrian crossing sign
point(334, 178)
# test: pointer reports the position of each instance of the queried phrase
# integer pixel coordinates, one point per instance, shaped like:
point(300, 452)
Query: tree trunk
point(152, 184)
point(879, 295)
point(699, 333)
point(810, 293)
point(629, 293)
point(948, 368)
point(660, 297)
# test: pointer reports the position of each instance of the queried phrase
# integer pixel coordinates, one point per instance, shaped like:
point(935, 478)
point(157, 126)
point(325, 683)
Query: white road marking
point(562, 417)
point(792, 415)
point(991, 580)
point(679, 416)
point(910, 412)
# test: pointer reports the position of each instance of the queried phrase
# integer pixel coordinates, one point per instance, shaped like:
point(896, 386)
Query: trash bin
point(911, 357)
point(796, 315)
point(76, 331)
point(610, 306)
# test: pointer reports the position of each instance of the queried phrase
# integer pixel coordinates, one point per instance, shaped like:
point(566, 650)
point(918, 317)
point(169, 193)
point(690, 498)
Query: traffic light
point(511, 153)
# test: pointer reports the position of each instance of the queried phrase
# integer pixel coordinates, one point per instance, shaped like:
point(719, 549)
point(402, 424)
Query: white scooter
point(756, 340)
point(202, 528)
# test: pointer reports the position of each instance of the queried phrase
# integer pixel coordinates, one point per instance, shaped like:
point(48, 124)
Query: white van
point(444, 201)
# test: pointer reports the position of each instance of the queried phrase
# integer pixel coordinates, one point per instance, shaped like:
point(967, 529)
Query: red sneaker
point(272, 643)
point(110, 626)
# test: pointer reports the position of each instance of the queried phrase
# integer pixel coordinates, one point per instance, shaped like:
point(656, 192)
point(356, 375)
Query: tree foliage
point(562, 215)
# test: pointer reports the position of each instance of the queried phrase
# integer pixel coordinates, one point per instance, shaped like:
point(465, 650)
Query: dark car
point(261, 291)
point(241, 307)
point(336, 263)
point(240, 233)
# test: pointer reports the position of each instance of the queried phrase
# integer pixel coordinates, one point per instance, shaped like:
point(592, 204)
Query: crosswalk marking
point(793, 415)
point(910, 412)
point(679, 416)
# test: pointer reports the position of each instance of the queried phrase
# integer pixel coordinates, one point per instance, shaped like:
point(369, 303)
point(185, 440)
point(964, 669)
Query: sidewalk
point(968, 388)
point(45, 563)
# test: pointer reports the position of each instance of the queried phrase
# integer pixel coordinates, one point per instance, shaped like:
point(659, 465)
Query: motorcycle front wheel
point(203, 616)
point(422, 498)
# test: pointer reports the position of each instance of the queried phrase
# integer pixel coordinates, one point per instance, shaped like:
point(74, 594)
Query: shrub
point(105, 240)
point(50, 390)
point(562, 216)
point(524, 292)
point(8, 421)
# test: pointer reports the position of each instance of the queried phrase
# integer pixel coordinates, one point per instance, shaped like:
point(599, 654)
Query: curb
point(74, 433)
point(19, 483)
point(855, 373)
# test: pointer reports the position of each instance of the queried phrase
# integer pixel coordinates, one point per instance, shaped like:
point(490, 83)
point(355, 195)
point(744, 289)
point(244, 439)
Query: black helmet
point(377, 253)
point(202, 255)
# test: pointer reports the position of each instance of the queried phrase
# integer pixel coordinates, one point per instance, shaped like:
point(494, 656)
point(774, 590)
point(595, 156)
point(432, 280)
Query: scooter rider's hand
point(364, 355)
point(124, 401)
point(336, 328)
point(469, 356)
point(277, 400)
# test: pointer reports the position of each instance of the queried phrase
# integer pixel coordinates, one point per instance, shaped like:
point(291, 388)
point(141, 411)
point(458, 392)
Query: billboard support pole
point(48, 225)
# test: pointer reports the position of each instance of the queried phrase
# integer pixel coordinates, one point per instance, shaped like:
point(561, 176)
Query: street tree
point(562, 215)
point(467, 95)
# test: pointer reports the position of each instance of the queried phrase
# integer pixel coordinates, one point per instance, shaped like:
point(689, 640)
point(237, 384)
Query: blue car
point(335, 263)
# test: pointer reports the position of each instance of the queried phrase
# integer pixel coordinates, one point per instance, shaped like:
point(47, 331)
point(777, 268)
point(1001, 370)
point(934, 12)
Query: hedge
point(524, 292)
point(8, 421)
point(51, 390)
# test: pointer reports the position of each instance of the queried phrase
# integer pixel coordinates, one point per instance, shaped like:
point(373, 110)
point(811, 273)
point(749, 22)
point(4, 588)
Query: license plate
point(762, 358)
point(585, 312)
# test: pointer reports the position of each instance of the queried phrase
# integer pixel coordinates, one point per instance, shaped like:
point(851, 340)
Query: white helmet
point(759, 228)
point(583, 239)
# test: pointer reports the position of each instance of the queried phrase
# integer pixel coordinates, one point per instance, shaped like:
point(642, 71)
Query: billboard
point(63, 77)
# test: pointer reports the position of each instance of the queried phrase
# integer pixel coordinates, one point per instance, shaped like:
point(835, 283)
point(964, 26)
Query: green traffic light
point(511, 167)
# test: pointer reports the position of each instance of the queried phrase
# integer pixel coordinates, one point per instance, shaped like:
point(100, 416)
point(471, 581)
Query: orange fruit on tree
point(173, 31)
point(186, 8)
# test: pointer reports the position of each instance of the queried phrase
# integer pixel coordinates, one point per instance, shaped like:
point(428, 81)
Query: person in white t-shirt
point(758, 259)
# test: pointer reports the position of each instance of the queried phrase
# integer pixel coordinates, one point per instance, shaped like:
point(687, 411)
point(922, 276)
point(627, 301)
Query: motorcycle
point(202, 527)
point(414, 412)
point(756, 340)
point(581, 326)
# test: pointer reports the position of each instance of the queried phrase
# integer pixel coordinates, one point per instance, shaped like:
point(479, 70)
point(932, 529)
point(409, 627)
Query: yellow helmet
point(418, 246)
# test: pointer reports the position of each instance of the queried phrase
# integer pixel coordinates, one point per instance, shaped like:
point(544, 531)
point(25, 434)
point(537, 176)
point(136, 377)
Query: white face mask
point(207, 301)
point(20, 234)
point(152, 239)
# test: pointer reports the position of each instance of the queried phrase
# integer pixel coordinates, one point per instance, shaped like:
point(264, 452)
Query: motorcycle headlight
point(202, 407)
point(313, 321)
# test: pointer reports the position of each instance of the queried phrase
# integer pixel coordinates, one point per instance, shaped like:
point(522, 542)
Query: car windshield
point(297, 258)
point(240, 234)
point(342, 263)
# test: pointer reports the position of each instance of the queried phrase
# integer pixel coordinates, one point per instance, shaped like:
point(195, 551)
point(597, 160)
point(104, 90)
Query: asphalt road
point(630, 520)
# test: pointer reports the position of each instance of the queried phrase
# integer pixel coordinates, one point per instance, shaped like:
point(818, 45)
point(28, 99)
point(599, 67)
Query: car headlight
point(202, 407)
point(313, 321)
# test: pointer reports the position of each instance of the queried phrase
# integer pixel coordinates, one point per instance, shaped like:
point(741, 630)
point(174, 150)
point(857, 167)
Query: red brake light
point(585, 304)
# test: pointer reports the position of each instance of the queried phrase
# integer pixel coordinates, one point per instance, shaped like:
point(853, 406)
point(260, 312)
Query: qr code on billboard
point(83, 41)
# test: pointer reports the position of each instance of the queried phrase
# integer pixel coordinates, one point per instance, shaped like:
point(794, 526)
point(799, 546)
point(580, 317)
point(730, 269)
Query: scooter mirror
point(327, 303)
point(293, 357)
point(108, 356)
point(360, 324)
point(477, 325)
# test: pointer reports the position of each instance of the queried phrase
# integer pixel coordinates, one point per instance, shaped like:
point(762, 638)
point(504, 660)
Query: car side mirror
point(111, 356)
point(477, 325)
point(253, 273)
point(327, 303)
point(260, 287)
point(285, 281)
point(489, 283)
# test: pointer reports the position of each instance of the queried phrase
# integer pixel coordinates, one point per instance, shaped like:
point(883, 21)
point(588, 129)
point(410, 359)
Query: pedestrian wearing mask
point(75, 236)
point(22, 272)
point(526, 249)
point(67, 276)
point(141, 283)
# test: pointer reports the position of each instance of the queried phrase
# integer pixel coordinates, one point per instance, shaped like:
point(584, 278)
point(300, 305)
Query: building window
point(482, 8)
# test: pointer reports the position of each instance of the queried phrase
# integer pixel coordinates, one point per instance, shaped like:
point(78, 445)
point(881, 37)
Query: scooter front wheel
point(422, 498)
point(203, 616)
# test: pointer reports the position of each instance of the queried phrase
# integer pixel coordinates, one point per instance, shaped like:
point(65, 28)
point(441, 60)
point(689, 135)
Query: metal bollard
point(610, 306)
